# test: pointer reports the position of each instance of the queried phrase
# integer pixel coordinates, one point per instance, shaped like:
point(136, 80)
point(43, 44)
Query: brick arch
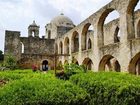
point(100, 25)
point(60, 47)
point(88, 64)
point(75, 42)
point(66, 45)
point(111, 65)
point(134, 63)
point(85, 31)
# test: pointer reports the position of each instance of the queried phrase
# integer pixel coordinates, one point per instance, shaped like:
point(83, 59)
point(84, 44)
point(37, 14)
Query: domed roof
point(62, 20)
point(33, 24)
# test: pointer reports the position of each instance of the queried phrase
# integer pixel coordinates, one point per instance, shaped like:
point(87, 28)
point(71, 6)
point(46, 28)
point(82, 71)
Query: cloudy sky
point(18, 14)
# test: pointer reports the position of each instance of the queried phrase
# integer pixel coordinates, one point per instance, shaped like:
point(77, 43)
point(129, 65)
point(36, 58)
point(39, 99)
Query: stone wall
point(106, 43)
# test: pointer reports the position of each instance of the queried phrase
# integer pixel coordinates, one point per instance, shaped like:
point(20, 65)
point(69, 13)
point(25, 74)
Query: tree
point(10, 62)
point(1, 56)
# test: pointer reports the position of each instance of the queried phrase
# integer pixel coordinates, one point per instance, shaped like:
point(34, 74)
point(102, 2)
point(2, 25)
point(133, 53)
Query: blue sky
point(18, 14)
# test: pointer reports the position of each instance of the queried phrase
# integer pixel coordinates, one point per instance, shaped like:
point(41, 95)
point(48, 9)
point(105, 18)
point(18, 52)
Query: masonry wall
point(104, 46)
point(35, 49)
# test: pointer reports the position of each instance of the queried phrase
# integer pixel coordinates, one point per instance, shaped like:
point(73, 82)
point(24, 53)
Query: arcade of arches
point(102, 45)
point(98, 44)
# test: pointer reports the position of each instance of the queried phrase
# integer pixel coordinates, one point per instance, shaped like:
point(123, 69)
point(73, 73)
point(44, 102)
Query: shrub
point(42, 90)
point(10, 62)
point(110, 88)
point(71, 69)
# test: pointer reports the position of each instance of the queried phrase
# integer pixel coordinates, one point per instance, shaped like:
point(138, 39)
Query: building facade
point(114, 46)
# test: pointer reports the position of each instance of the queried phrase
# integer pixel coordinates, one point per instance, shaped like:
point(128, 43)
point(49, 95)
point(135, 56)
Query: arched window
point(117, 35)
point(66, 45)
point(61, 48)
point(87, 30)
point(132, 7)
point(89, 44)
point(56, 48)
point(49, 34)
point(22, 48)
point(75, 42)
point(107, 16)
point(138, 29)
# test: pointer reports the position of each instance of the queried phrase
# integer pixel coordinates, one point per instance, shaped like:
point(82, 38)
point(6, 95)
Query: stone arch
point(138, 29)
point(131, 6)
point(75, 42)
point(130, 18)
point(88, 64)
point(109, 63)
point(61, 48)
point(49, 34)
point(56, 48)
point(100, 25)
point(66, 62)
point(134, 65)
point(66, 44)
point(85, 32)
point(22, 47)
point(45, 65)
point(89, 44)
point(60, 65)
point(75, 61)
point(116, 35)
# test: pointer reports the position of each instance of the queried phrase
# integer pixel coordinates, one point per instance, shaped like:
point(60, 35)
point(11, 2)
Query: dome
point(62, 20)
point(33, 24)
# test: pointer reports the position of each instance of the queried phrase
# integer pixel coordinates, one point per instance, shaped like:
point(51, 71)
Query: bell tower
point(33, 30)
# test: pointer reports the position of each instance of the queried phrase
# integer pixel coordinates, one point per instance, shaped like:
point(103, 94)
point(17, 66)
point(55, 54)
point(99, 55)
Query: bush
point(10, 62)
point(110, 88)
point(44, 89)
point(71, 69)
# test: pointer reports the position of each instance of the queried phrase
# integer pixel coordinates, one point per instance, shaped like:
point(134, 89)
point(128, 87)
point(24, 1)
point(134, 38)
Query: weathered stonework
point(111, 46)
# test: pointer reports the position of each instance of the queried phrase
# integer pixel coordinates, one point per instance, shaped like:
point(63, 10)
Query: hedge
point(108, 88)
point(42, 90)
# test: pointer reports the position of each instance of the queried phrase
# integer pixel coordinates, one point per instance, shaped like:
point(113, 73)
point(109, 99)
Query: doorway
point(45, 65)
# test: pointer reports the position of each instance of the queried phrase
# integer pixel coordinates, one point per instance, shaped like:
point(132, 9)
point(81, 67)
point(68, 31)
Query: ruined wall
point(27, 60)
point(12, 44)
point(35, 49)
point(36, 45)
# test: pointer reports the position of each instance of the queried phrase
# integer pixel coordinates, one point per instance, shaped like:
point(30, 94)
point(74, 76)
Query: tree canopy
point(1, 56)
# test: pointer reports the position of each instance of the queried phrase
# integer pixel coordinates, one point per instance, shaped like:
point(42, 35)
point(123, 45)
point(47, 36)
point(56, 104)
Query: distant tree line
point(1, 56)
